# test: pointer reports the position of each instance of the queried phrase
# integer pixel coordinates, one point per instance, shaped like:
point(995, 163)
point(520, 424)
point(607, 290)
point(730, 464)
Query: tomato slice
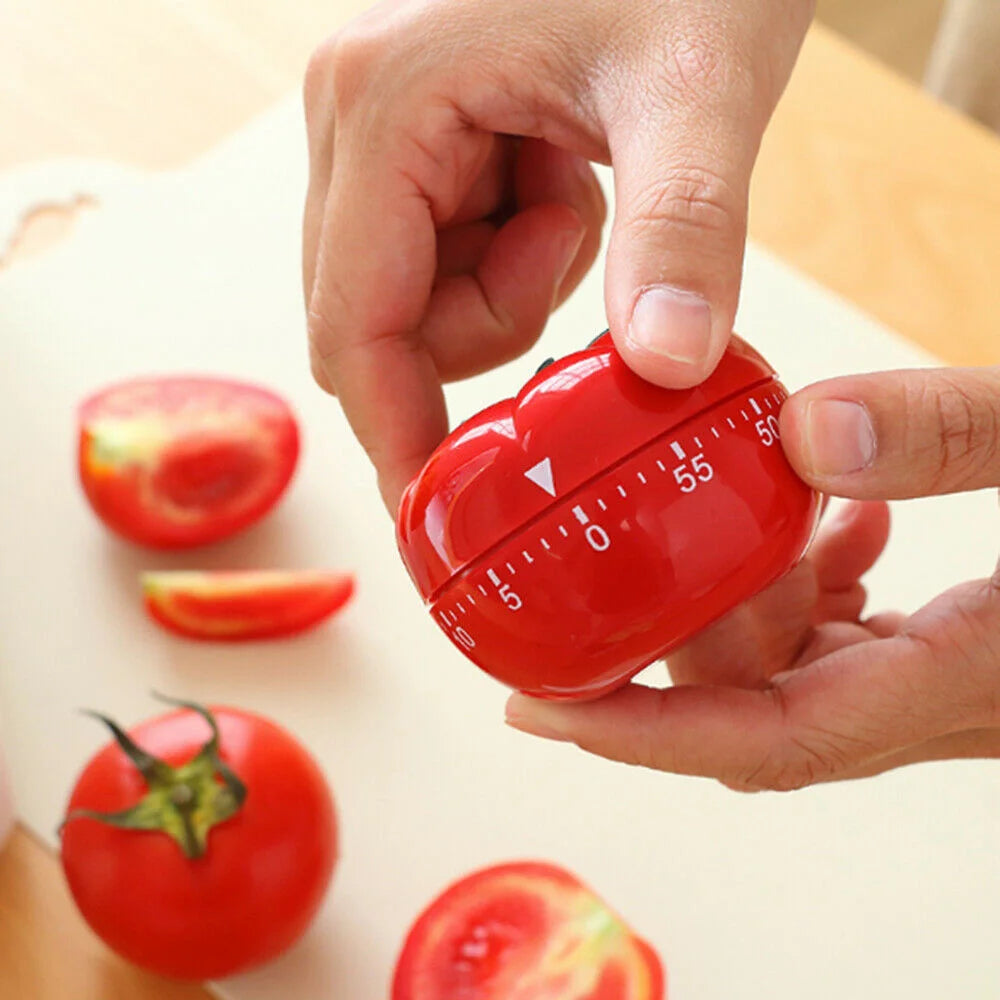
point(173, 462)
point(232, 606)
point(524, 931)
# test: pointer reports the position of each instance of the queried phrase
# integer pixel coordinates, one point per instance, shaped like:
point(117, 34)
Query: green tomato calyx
point(184, 802)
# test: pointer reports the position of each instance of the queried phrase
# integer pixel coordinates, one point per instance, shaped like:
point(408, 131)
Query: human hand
point(794, 687)
point(451, 203)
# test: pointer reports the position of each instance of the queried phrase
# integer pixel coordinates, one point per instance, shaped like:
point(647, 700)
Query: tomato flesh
point(524, 931)
point(506, 930)
point(254, 892)
point(175, 462)
point(197, 473)
point(234, 606)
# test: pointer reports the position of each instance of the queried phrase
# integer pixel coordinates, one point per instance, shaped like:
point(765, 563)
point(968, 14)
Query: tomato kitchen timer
point(568, 537)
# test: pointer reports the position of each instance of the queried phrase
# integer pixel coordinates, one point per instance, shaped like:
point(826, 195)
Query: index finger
point(374, 275)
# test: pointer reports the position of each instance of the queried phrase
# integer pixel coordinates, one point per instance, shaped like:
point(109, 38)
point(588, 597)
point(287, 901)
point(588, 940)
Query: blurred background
point(950, 46)
point(230, 59)
point(899, 32)
point(863, 185)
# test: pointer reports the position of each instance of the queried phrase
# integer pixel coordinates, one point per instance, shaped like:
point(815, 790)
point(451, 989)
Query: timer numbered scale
point(568, 537)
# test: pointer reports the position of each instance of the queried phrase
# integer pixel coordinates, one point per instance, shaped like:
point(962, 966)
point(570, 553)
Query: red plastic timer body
point(568, 537)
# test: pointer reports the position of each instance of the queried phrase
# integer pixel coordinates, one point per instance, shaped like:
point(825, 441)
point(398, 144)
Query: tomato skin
point(261, 881)
point(246, 605)
point(490, 936)
point(173, 462)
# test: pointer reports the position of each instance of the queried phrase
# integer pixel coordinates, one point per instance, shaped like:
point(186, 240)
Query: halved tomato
point(524, 931)
point(174, 462)
point(254, 604)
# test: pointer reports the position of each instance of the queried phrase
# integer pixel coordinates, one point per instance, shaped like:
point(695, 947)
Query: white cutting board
point(885, 888)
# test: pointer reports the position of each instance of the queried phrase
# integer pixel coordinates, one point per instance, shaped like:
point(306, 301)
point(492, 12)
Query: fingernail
point(568, 247)
point(534, 727)
point(673, 323)
point(840, 437)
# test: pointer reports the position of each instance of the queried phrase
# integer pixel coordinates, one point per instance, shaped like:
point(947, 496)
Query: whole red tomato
point(202, 843)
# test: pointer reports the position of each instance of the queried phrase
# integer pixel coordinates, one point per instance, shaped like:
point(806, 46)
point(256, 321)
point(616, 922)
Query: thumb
point(675, 255)
point(896, 435)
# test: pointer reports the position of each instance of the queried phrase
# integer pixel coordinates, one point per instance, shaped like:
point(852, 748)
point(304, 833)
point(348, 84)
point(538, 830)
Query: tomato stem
point(184, 802)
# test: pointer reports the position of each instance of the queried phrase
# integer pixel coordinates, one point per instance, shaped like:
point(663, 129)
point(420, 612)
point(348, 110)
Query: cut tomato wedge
point(232, 606)
point(174, 462)
point(524, 931)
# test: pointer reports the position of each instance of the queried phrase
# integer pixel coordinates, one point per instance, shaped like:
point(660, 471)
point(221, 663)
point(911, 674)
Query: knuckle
point(319, 374)
point(696, 65)
point(695, 198)
point(966, 431)
point(649, 746)
point(799, 758)
point(645, 752)
point(701, 64)
point(785, 772)
point(734, 785)
point(963, 659)
point(347, 63)
point(316, 82)
point(322, 335)
point(326, 303)
point(790, 778)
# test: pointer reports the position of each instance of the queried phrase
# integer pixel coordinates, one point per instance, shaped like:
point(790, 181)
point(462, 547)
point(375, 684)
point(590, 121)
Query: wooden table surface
point(863, 183)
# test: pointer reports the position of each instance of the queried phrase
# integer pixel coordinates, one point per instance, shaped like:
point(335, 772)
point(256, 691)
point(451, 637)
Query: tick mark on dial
point(602, 505)
point(640, 477)
point(661, 466)
point(715, 432)
point(563, 531)
point(621, 490)
point(513, 572)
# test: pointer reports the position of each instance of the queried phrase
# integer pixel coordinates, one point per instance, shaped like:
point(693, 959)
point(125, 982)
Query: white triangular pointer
point(541, 475)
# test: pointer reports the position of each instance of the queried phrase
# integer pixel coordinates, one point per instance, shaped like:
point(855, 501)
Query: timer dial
point(567, 538)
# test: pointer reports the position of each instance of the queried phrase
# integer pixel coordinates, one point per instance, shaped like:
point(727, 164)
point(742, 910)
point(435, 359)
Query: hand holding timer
point(566, 538)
